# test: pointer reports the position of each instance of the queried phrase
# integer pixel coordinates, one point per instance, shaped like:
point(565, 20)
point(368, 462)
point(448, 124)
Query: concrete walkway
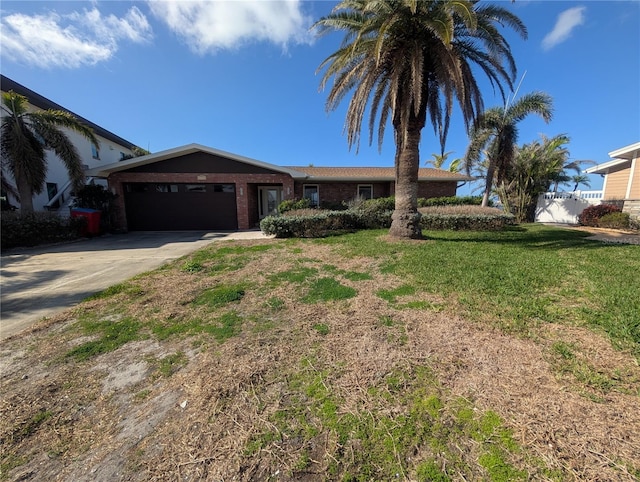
point(611, 236)
point(39, 282)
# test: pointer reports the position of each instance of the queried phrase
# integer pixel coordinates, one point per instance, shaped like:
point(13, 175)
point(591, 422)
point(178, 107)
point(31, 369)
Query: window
point(365, 191)
point(52, 190)
point(95, 153)
point(137, 187)
point(196, 188)
point(224, 188)
point(166, 188)
point(310, 192)
point(122, 154)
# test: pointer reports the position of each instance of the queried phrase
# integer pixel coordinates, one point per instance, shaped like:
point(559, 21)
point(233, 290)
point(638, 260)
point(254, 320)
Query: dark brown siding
point(201, 162)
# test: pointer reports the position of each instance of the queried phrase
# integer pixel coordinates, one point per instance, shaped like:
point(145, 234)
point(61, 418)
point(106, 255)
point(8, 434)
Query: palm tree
point(26, 136)
point(496, 133)
point(438, 160)
point(408, 61)
point(578, 179)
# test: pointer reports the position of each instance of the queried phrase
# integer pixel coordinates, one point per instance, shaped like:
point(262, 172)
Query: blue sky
point(241, 76)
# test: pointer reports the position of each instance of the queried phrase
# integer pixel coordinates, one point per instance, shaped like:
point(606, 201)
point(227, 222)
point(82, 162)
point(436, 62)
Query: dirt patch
point(116, 417)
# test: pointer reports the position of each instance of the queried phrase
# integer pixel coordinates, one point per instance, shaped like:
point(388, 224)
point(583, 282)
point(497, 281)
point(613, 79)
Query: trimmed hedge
point(317, 225)
point(20, 230)
point(372, 215)
point(591, 215)
point(451, 201)
point(466, 222)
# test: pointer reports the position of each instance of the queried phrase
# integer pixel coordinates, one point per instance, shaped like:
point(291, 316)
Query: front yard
point(508, 355)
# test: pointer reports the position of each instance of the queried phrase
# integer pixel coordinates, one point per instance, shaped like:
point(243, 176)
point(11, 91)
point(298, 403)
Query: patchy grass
point(374, 443)
point(466, 356)
point(108, 335)
point(328, 289)
point(220, 296)
point(520, 278)
point(168, 365)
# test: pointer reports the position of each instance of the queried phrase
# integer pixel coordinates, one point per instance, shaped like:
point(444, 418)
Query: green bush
point(317, 225)
point(591, 215)
point(466, 222)
point(615, 221)
point(38, 228)
point(292, 204)
point(94, 196)
point(374, 213)
point(451, 201)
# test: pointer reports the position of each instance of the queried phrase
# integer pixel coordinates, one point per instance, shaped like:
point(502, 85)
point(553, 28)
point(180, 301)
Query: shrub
point(333, 206)
point(38, 228)
point(460, 210)
point(615, 221)
point(292, 204)
point(317, 225)
point(466, 222)
point(374, 213)
point(591, 215)
point(451, 201)
point(94, 196)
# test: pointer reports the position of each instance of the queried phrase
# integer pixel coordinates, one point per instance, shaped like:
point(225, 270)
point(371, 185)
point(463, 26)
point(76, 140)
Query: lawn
point(508, 355)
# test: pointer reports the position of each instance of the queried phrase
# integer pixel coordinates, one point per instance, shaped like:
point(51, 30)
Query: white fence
point(565, 207)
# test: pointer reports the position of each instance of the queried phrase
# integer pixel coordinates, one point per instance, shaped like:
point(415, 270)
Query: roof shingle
point(375, 173)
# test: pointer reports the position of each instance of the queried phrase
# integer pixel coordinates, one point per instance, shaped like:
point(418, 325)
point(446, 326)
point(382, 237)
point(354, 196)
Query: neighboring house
point(57, 192)
point(621, 179)
point(198, 187)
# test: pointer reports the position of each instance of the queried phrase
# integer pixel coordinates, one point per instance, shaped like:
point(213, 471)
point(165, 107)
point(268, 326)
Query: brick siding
point(246, 202)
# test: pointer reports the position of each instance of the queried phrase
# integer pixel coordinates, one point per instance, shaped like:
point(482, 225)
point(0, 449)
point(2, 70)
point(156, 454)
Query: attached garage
point(180, 206)
point(193, 187)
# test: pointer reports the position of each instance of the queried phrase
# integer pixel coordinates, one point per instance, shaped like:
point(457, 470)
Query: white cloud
point(208, 26)
point(70, 41)
point(566, 23)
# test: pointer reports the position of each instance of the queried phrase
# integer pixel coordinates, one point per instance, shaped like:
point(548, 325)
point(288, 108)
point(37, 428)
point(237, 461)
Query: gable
point(201, 162)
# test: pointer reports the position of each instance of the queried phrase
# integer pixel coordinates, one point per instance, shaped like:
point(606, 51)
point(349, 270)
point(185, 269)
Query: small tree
point(534, 167)
point(495, 134)
point(26, 136)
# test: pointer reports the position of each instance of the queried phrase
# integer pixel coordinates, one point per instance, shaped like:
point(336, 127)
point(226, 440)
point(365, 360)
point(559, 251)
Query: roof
point(42, 102)
point(362, 174)
point(620, 156)
point(370, 174)
point(104, 171)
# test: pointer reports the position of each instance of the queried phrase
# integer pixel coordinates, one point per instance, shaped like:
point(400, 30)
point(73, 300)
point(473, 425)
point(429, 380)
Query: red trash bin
point(92, 216)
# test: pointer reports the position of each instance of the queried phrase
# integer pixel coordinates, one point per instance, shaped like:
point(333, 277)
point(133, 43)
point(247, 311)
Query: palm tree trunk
point(491, 169)
point(405, 221)
point(26, 196)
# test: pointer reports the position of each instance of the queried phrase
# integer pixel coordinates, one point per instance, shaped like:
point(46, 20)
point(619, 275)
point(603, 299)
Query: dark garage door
point(171, 207)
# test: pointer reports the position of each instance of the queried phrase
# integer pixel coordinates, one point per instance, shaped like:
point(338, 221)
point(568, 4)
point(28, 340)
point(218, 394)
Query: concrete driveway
point(39, 282)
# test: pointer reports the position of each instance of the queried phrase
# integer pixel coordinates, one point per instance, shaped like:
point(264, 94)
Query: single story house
point(621, 179)
point(198, 187)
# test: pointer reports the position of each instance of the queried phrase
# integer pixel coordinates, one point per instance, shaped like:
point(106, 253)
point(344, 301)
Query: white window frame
point(317, 187)
point(370, 186)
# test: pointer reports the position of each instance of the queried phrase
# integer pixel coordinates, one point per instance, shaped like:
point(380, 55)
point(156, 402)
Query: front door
point(269, 198)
